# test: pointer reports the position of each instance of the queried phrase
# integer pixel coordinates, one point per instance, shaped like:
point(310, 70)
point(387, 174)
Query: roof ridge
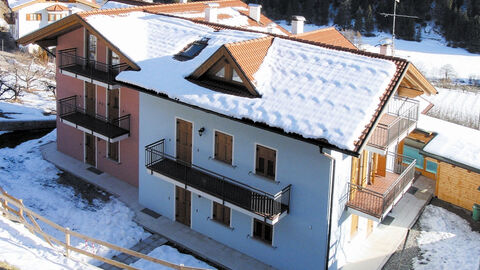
point(315, 31)
point(243, 42)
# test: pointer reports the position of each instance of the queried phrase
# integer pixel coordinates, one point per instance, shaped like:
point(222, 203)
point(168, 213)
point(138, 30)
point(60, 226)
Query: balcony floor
point(97, 75)
point(91, 123)
point(214, 186)
point(362, 200)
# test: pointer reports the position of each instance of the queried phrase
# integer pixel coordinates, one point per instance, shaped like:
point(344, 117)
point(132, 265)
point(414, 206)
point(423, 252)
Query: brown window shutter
point(226, 215)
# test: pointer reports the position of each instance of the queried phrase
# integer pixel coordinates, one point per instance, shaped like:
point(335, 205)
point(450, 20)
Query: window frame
point(34, 17)
point(181, 56)
point(265, 175)
point(228, 73)
point(262, 237)
point(215, 131)
point(115, 158)
point(222, 220)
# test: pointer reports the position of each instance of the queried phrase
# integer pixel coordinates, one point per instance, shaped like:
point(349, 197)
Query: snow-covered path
point(446, 242)
point(24, 250)
point(26, 175)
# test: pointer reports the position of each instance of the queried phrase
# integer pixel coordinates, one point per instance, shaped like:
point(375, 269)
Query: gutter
point(330, 204)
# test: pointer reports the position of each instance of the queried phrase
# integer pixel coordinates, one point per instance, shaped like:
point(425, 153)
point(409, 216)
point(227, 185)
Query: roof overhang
point(47, 36)
point(415, 84)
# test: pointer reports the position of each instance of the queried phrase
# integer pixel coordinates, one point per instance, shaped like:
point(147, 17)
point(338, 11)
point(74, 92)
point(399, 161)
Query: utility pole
point(395, 15)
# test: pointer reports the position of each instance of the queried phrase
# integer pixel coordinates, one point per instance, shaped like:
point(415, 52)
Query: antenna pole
point(393, 30)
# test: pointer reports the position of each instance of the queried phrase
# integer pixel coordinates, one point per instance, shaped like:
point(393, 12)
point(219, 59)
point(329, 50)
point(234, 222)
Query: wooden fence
point(13, 209)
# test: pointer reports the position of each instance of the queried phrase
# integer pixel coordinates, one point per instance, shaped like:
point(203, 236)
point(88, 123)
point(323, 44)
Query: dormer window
point(192, 50)
point(225, 72)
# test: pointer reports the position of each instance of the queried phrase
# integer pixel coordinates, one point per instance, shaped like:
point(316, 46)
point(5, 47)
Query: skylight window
point(192, 50)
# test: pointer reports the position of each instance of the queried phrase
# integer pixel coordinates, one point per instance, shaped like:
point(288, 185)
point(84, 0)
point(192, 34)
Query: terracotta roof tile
point(57, 8)
point(328, 35)
point(249, 54)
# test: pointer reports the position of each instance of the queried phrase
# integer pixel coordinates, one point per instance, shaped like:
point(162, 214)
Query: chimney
point(271, 28)
point(254, 11)
point(211, 12)
point(385, 46)
point(183, 1)
point(297, 24)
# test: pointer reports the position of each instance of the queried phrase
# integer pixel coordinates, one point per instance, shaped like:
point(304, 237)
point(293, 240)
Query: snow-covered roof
point(114, 4)
point(16, 3)
point(306, 89)
point(454, 142)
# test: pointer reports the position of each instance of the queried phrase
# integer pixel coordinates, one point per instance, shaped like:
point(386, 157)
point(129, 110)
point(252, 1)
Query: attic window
point(192, 50)
point(225, 72)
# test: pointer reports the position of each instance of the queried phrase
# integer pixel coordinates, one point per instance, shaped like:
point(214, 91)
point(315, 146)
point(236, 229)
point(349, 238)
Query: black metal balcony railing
point(378, 198)
point(110, 128)
point(70, 61)
point(401, 115)
point(222, 187)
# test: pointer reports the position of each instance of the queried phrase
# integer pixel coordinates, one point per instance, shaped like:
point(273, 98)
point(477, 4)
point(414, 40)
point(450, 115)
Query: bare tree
point(25, 75)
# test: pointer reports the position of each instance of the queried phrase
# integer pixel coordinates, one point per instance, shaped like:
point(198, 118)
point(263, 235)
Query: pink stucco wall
point(70, 140)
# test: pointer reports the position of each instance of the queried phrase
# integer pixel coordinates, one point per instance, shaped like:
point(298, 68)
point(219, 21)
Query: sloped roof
point(328, 35)
point(15, 5)
point(312, 91)
point(57, 8)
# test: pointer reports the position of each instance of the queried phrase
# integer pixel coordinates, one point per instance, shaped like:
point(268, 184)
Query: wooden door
point(182, 205)
point(381, 165)
point(113, 104)
point(184, 141)
point(90, 98)
point(354, 228)
point(90, 152)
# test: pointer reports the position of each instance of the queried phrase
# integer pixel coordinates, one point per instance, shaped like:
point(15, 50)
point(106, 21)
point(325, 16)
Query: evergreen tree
point(369, 23)
point(343, 18)
point(358, 26)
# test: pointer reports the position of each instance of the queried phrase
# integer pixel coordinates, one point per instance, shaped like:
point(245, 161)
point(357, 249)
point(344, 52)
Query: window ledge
point(223, 163)
point(220, 223)
point(261, 241)
point(270, 180)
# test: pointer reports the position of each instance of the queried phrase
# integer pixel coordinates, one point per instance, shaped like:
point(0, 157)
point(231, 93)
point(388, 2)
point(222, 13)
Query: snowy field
point(15, 111)
point(172, 255)
point(446, 242)
point(26, 175)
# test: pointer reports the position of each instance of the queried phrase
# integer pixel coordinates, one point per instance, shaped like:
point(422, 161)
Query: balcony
point(380, 194)
point(109, 130)
point(88, 70)
point(239, 196)
point(400, 119)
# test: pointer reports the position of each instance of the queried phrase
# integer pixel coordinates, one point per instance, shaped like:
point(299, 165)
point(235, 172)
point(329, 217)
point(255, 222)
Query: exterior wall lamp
point(201, 131)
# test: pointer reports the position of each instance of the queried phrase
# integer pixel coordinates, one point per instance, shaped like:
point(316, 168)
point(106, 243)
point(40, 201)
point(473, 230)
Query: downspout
point(330, 204)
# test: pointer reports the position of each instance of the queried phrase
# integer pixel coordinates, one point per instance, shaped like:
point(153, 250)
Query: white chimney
point(211, 12)
point(297, 24)
point(183, 1)
point(255, 11)
point(271, 28)
point(385, 46)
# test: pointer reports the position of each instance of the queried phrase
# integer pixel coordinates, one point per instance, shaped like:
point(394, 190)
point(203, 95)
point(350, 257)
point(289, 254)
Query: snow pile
point(113, 4)
point(12, 111)
point(22, 249)
point(306, 89)
point(446, 242)
point(456, 106)
point(453, 141)
point(227, 15)
point(26, 175)
point(172, 255)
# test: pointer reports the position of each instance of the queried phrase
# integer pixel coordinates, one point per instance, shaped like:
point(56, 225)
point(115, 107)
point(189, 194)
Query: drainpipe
point(330, 204)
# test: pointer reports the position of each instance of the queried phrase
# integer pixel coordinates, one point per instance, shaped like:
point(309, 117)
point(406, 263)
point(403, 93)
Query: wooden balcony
point(224, 189)
point(399, 119)
point(112, 130)
point(380, 193)
point(88, 70)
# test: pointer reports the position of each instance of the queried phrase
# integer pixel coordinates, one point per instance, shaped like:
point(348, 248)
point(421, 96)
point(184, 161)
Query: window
point(91, 45)
point(113, 150)
point(221, 213)
point(413, 153)
point(54, 17)
point(223, 147)
point(113, 58)
point(262, 231)
point(34, 17)
point(224, 71)
point(265, 162)
point(431, 167)
point(192, 50)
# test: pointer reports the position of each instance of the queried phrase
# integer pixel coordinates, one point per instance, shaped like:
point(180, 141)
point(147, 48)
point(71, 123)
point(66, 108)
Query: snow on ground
point(446, 242)
point(26, 175)
point(20, 248)
point(172, 255)
point(456, 106)
point(14, 111)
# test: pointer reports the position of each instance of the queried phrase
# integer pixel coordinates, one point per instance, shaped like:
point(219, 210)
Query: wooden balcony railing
point(249, 198)
point(71, 62)
point(378, 198)
point(111, 130)
point(401, 115)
